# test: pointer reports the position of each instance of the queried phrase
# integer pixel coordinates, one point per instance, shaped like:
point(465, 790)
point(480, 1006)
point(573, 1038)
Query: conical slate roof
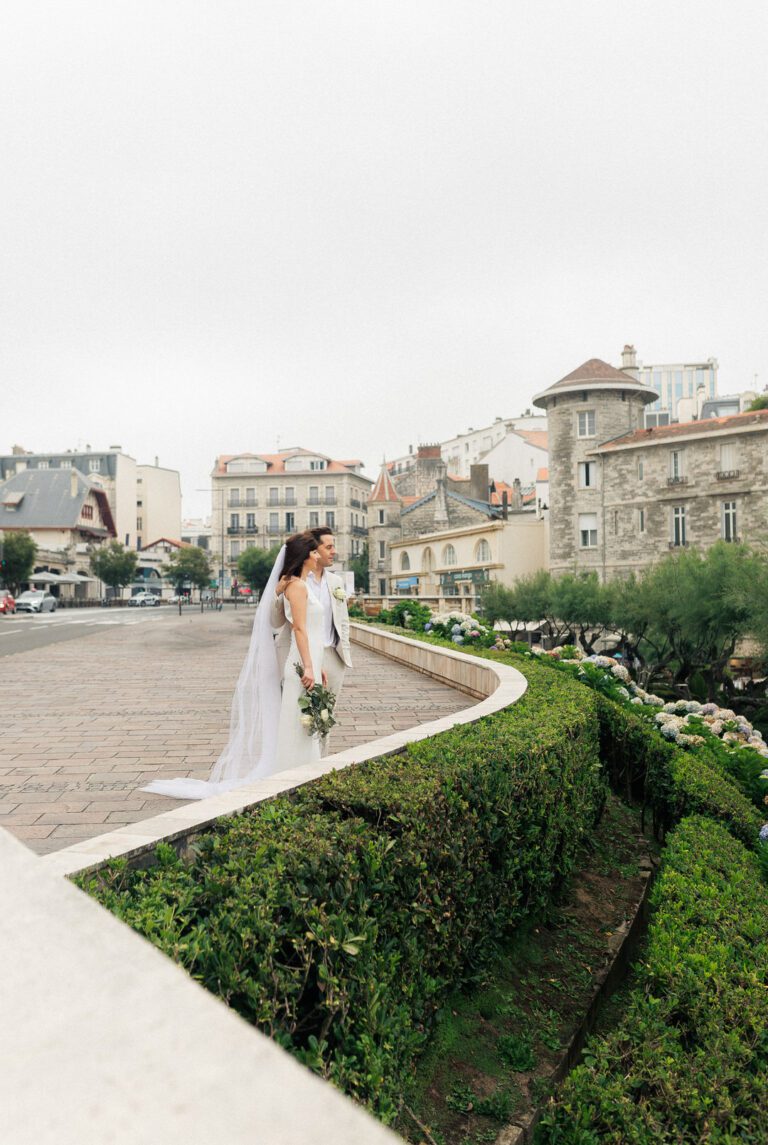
point(592, 374)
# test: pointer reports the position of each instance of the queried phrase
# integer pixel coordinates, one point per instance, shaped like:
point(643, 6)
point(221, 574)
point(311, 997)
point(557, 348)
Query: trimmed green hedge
point(689, 1060)
point(337, 920)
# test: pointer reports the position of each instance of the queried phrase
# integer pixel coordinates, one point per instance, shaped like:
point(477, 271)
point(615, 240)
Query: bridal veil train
point(251, 751)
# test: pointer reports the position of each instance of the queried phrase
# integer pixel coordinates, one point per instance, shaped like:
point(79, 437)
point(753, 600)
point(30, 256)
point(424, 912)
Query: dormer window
point(246, 465)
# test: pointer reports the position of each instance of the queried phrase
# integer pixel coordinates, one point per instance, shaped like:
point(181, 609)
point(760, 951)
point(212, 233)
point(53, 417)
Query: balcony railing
point(330, 499)
point(273, 530)
point(233, 530)
point(355, 503)
point(727, 474)
point(677, 480)
point(314, 501)
point(359, 531)
point(678, 544)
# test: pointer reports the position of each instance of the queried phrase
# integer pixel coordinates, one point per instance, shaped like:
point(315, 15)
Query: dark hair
point(321, 531)
point(297, 549)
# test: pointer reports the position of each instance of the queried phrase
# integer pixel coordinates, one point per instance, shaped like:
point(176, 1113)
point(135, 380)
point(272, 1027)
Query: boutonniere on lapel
point(339, 593)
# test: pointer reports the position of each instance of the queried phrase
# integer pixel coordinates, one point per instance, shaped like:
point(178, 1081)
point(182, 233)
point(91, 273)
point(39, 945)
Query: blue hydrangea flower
point(427, 626)
point(764, 833)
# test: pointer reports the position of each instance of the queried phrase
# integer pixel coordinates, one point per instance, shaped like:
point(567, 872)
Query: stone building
point(450, 540)
point(261, 498)
point(622, 496)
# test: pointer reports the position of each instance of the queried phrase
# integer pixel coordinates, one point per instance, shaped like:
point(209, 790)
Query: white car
point(35, 600)
point(144, 600)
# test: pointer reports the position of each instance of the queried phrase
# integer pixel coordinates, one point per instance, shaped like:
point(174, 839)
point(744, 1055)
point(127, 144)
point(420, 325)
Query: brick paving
point(88, 721)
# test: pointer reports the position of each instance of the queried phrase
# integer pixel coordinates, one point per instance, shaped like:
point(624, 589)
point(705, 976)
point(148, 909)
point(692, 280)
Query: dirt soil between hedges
point(498, 1045)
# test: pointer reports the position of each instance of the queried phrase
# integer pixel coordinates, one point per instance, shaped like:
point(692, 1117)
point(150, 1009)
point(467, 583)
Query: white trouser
point(334, 667)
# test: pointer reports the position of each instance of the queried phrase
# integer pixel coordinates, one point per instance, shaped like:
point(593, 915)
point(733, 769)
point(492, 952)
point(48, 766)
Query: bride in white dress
point(265, 730)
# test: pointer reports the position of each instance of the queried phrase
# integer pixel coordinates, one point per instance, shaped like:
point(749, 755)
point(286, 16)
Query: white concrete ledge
point(499, 684)
point(105, 1039)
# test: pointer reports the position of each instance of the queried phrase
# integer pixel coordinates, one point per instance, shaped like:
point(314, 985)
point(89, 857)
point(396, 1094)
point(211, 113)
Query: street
point(27, 631)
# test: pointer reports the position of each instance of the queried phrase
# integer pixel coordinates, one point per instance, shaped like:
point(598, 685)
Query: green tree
point(359, 566)
point(255, 565)
point(113, 564)
point(760, 402)
point(17, 558)
point(188, 565)
point(580, 600)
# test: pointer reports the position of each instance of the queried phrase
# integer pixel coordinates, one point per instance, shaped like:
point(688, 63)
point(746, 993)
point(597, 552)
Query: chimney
point(504, 505)
point(517, 494)
point(629, 362)
point(441, 503)
point(478, 482)
point(73, 483)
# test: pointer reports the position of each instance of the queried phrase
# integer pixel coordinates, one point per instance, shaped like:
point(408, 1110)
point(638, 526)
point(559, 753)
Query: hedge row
point(337, 920)
point(689, 1060)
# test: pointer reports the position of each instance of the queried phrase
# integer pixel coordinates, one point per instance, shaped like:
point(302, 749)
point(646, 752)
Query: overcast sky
point(355, 226)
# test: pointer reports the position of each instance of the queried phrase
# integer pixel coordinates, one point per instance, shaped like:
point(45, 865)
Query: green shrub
point(337, 920)
point(689, 1059)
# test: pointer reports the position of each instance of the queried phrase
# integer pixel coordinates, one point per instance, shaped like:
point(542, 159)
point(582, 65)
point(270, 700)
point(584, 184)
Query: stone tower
point(591, 405)
point(384, 507)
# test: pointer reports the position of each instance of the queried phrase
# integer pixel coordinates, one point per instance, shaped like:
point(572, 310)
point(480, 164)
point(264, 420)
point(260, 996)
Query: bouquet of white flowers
point(316, 708)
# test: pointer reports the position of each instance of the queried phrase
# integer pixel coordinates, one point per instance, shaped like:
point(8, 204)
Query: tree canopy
point(188, 565)
point(17, 558)
point(255, 565)
point(114, 564)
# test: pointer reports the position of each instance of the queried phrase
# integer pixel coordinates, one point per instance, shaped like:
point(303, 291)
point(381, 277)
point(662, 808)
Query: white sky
point(355, 226)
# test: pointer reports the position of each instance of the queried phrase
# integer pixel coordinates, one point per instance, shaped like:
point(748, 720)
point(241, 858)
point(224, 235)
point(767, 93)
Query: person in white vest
point(328, 588)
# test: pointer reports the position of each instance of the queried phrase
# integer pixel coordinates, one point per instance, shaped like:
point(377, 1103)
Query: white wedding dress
point(265, 731)
point(294, 745)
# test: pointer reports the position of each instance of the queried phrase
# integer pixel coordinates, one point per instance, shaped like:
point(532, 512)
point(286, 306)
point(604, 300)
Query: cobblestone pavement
point(86, 723)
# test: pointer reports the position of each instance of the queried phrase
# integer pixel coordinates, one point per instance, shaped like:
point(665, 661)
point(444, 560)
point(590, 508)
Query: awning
point(408, 582)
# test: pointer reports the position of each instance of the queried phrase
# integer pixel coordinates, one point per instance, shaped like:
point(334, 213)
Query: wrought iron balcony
point(727, 474)
point(677, 480)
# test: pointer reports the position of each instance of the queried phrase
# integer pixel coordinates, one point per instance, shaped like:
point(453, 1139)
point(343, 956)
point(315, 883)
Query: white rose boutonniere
point(339, 593)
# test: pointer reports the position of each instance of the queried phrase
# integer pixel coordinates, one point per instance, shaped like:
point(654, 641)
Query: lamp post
point(220, 579)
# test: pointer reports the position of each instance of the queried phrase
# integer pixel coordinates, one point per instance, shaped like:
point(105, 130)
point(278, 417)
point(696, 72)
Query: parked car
point(35, 600)
point(7, 603)
point(144, 600)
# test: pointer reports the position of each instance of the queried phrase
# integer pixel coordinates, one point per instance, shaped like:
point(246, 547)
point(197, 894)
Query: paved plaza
point(87, 722)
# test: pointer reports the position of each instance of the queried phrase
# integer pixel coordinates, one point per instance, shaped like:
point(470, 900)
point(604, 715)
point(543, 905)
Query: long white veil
point(251, 751)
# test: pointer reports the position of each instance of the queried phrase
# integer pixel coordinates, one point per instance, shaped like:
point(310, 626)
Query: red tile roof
point(536, 437)
point(384, 489)
point(735, 422)
point(276, 461)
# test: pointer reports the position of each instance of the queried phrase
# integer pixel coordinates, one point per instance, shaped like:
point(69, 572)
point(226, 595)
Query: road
point(27, 631)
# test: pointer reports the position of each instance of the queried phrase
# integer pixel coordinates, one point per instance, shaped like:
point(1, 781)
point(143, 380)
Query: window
point(676, 465)
point(234, 551)
point(314, 520)
point(449, 555)
point(330, 520)
point(290, 522)
point(728, 521)
point(588, 530)
point(640, 470)
point(330, 495)
point(382, 588)
point(274, 495)
point(382, 516)
point(42, 464)
point(729, 462)
point(382, 550)
point(641, 520)
point(318, 464)
point(250, 522)
point(586, 423)
point(274, 523)
point(678, 526)
point(615, 522)
point(482, 552)
point(65, 463)
point(250, 496)
point(314, 495)
point(405, 562)
point(139, 520)
point(94, 465)
point(290, 495)
point(234, 496)
point(427, 560)
point(587, 474)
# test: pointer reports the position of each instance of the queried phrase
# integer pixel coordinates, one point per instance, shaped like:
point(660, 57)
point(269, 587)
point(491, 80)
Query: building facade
point(622, 496)
point(460, 453)
point(144, 500)
point(671, 383)
point(259, 499)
